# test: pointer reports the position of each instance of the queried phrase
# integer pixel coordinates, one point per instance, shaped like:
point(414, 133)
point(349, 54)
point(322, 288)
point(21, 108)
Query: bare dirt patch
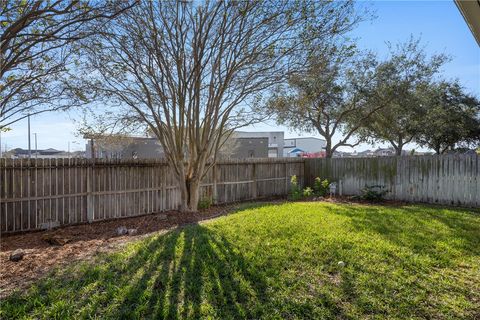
point(84, 241)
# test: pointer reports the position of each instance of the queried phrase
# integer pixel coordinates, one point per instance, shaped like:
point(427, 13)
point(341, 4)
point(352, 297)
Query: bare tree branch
point(37, 45)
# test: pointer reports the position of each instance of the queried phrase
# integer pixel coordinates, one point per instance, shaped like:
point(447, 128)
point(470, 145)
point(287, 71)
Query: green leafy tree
point(399, 115)
point(335, 88)
point(450, 118)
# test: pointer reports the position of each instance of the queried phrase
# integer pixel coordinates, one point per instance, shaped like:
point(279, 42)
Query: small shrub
point(205, 203)
point(317, 186)
point(374, 193)
point(307, 192)
point(321, 187)
point(295, 191)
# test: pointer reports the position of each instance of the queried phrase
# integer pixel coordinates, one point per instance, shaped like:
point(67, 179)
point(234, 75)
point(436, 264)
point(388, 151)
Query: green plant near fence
point(295, 190)
point(205, 203)
point(375, 193)
point(321, 187)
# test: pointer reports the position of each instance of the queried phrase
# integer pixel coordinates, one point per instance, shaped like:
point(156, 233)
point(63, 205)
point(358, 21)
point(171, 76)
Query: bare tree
point(192, 70)
point(37, 41)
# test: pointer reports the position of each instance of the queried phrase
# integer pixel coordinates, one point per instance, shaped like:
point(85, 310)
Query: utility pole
point(3, 129)
point(29, 146)
point(92, 148)
point(36, 149)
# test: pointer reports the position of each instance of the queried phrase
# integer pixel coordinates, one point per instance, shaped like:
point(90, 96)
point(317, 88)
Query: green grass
point(280, 261)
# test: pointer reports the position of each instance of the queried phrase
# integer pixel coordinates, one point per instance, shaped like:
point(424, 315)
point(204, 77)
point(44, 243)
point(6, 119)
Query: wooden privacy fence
point(37, 194)
point(40, 193)
point(448, 179)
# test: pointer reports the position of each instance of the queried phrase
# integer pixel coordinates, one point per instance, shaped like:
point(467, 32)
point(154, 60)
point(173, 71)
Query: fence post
point(307, 171)
point(90, 200)
point(214, 189)
point(254, 176)
point(286, 178)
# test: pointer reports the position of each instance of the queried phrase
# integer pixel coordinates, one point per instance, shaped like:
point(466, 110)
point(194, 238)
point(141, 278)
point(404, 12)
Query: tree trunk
point(189, 194)
point(194, 195)
point(189, 189)
point(328, 149)
point(398, 150)
point(398, 146)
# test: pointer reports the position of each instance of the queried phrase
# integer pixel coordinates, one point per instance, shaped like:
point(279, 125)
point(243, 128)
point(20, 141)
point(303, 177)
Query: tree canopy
point(450, 117)
point(397, 120)
point(335, 88)
point(37, 42)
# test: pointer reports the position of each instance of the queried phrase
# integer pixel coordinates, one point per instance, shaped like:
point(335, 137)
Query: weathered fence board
point(447, 179)
point(36, 194)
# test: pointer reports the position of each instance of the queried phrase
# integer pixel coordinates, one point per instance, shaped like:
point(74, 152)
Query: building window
point(272, 153)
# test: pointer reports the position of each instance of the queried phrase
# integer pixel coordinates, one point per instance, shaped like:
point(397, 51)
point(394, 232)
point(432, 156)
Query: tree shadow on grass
point(192, 272)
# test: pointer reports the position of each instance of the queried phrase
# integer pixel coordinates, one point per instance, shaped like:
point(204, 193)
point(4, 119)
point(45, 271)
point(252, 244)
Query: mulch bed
point(84, 241)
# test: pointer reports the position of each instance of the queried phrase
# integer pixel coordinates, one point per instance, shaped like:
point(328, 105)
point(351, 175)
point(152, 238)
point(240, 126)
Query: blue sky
point(439, 24)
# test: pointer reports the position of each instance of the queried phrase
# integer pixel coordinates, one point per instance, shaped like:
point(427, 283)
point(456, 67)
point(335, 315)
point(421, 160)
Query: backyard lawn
point(280, 261)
